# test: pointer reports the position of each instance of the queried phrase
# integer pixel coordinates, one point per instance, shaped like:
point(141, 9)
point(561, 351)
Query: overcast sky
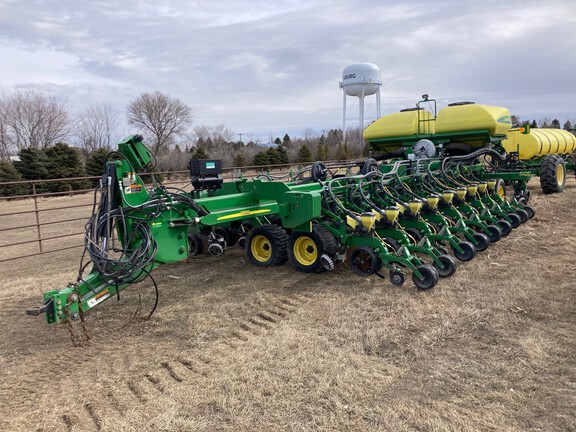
point(270, 67)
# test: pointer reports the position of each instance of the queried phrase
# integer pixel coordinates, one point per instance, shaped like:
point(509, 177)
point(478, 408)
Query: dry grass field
point(238, 348)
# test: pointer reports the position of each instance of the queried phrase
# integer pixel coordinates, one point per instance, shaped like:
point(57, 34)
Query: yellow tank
point(539, 142)
point(471, 116)
point(403, 123)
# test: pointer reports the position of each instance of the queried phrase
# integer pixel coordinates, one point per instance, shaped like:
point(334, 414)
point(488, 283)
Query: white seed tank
point(361, 79)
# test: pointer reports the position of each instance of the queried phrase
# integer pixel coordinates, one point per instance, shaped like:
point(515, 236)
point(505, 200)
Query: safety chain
point(77, 340)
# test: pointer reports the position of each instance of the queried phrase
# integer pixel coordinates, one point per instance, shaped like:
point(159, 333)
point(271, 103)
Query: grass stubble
point(234, 347)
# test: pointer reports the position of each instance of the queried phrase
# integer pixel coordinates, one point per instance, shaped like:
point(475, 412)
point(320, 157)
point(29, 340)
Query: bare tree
point(159, 116)
point(98, 127)
point(34, 119)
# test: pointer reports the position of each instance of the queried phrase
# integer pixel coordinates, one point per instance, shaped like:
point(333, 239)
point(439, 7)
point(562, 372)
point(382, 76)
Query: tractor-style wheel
point(500, 188)
point(468, 251)
point(482, 241)
point(530, 210)
point(552, 174)
point(266, 245)
point(505, 227)
point(429, 277)
point(449, 265)
point(364, 261)
point(307, 249)
point(495, 233)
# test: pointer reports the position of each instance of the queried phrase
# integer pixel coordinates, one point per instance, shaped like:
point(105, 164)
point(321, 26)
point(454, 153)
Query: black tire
point(505, 227)
point(449, 263)
point(468, 251)
point(429, 277)
point(414, 233)
point(495, 233)
point(523, 214)
point(397, 278)
point(195, 245)
point(394, 244)
point(305, 250)
point(482, 241)
point(552, 174)
point(515, 220)
point(530, 210)
point(267, 245)
point(364, 261)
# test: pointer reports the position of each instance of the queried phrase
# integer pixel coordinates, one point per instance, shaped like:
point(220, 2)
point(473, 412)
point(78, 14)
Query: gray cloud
point(262, 66)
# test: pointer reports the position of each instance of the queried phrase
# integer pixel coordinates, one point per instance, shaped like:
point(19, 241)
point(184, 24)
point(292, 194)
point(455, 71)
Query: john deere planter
point(432, 196)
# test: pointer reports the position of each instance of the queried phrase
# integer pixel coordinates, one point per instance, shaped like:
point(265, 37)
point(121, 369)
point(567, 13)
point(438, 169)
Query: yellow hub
point(560, 174)
point(305, 251)
point(501, 191)
point(261, 248)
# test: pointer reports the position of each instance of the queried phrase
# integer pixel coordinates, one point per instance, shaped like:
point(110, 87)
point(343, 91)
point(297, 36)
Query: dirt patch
point(235, 347)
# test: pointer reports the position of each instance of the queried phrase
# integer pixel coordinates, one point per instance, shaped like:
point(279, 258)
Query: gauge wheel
point(429, 277)
point(449, 265)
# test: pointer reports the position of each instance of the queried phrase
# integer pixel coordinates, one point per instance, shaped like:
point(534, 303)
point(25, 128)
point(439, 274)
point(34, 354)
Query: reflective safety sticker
point(98, 298)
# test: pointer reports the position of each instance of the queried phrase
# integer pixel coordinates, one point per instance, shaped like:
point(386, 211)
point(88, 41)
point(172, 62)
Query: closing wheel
point(449, 265)
point(397, 278)
point(505, 227)
point(311, 252)
point(267, 245)
point(523, 214)
point(482, 241)
point(364, 261)
point(515, 220)
point(530, 210)
point(429, 277)
point(495, 233)
point(468, 251)
point(552, 174)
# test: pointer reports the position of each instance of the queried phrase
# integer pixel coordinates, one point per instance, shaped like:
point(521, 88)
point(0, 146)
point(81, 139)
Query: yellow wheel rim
point(261, 248)
point(501, 191)
point(560, 174)
point(305, 251)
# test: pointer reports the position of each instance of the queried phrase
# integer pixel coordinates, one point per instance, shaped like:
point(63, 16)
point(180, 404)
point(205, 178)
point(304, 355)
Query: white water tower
point(360, 80)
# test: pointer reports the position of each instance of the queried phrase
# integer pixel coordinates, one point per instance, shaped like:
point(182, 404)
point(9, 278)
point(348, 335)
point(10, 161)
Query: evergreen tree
point(32, 164)
point(286, 142)
point(283, 155)
point(533, 125)
point(64, 161)
point(342, 151)
point(568, 125)
point(261, 158)
point(200, 154)
point(240, 160)
point(555, 124)
point(278, 141)
point(322, 149)
point(95, 164)
point(9, 174)
point(273, 156)
point(304, 154)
